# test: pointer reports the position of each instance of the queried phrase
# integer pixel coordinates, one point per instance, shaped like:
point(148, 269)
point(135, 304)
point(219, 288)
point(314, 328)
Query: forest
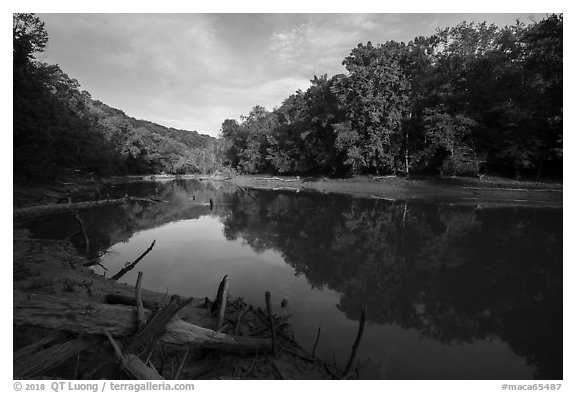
point(471, 99)
point(468, 100)
point(58, 126)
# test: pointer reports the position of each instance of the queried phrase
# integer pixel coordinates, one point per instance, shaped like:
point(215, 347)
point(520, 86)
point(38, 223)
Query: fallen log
point(275, 178)
point(51, 339)
point(131, 266)
point(146, 338)
point(85, 317)
point(132, 364)
point(37, 363)
point(61, 208)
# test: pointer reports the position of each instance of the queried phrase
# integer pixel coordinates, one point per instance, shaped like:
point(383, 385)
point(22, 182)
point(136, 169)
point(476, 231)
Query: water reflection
point(456, 274)
point(461, 277)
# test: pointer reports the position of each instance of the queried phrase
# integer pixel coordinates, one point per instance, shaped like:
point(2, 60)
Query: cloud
point(192, 71)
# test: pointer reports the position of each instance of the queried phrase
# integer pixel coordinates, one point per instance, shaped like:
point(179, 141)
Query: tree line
point(58, 126)
point(469, 99)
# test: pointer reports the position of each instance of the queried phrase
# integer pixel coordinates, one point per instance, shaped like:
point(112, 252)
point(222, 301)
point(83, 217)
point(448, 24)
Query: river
point(452, 291)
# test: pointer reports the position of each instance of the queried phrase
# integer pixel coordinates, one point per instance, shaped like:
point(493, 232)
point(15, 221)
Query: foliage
point(467, 99)
point(58, 126)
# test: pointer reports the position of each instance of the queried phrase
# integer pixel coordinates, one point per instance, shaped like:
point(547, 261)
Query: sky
point(193, 71)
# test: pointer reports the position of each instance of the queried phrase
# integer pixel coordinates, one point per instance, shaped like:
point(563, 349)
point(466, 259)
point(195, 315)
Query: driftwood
point(139, 306)
point(85, 317)
point(271, 319)
point(241, 314)
point(37, 363)
point(286, 189)
point(374, 178)
point(221, 301)
point(316, 342)
point(51, 339)
point(275, 178)
point(356, 342)
point(131, 266)
point(114, 298)
point(216, 305)
point(246, 192)
point(60, 208)
point(146, 338)
point(177, 375)
point(132, 364)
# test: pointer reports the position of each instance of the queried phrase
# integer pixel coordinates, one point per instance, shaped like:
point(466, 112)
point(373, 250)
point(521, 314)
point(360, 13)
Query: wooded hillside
point(58, 126)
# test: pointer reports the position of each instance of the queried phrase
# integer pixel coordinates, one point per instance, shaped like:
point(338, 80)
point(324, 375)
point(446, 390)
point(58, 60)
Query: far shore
point(458, 190)
point(470, 191)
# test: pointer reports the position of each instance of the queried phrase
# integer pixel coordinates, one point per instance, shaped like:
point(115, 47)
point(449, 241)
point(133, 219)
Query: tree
point(376, 97)
point(29, 36)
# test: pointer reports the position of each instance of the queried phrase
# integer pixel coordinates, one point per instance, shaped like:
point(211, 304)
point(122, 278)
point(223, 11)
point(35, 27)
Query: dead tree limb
point(61, 208)
point(84, 317)
point(51, 339)
point(219, 295)
point(356, 342)
point(37, 363)
point(316, 342)
point(272, 329)
point(241, 314)
point(145, 340)
point(222, 299)
point(132, 364)
point(177, 375)
point(139, 305)
point(131, 266)
point(114, 298)
point(246, 192)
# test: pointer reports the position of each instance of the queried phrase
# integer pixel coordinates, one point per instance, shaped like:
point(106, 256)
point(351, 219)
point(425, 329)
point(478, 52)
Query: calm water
point(453, 292)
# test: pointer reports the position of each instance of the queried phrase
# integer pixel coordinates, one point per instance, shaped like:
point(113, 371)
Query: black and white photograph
point(369, 196)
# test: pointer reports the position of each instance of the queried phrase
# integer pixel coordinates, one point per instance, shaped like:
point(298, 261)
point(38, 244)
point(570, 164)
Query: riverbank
point(468, 191)
point(61, 310)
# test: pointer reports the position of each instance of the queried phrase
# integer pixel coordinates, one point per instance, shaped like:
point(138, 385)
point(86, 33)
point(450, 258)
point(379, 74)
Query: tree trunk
point(37, 363)
point(85, 317)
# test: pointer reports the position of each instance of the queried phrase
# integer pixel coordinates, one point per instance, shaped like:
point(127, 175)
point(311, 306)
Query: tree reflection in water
point(454, 273)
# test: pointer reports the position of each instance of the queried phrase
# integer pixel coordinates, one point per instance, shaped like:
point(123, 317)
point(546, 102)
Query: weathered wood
point(275, 178)
point(219, 295)
point(271, 319)
point(146, 338)
point(241, 315)
point(132, 364)
point(179, 371)
point(246, 192)
point(139, 306)
point(60, 208)
point(39, 362)
point(222, 307)
point(85, 317)
point(316, 342)
point(357, 341)
point(115, 298)
point(49, 340)
point(131, 266)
